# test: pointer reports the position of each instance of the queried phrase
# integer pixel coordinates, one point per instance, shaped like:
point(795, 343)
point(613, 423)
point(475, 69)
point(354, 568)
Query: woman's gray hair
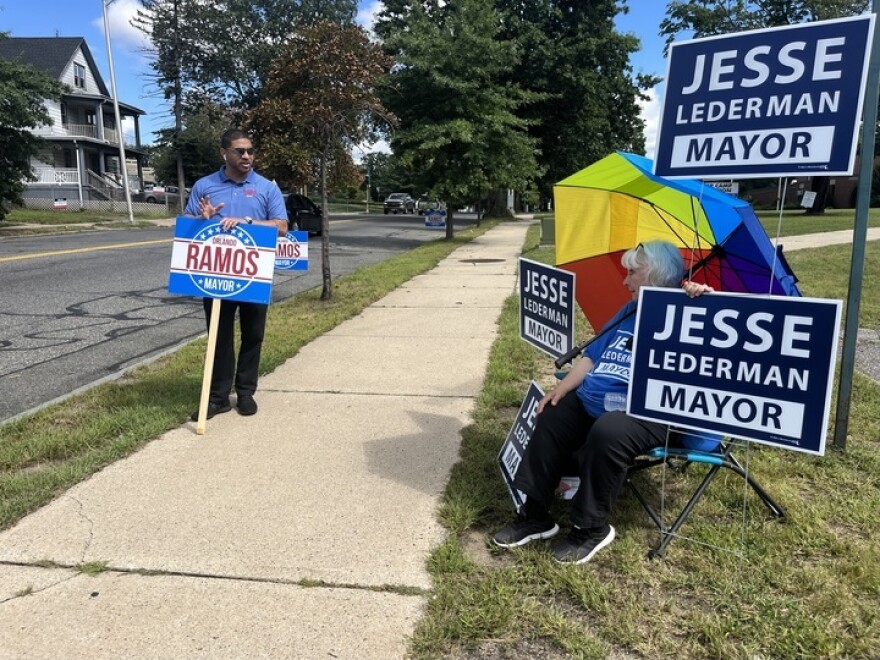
point(661, 259)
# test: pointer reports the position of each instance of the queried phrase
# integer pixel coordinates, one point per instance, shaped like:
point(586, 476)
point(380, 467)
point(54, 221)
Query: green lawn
point(804, 587)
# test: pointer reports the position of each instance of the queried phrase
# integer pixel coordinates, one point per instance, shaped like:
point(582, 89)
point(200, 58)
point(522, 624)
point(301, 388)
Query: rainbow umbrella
point(617, 203)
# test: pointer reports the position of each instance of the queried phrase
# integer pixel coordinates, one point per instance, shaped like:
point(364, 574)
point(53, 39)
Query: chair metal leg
point(673, 530)
point(726, 460)
point(768, 501)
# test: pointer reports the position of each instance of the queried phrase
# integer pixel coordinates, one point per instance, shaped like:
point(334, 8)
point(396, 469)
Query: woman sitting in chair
point(581, 421)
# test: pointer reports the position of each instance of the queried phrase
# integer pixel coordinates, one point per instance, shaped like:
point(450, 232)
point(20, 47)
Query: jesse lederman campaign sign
point(774, 102)
point(753, 367)
point(231, 264)
point(546, 313)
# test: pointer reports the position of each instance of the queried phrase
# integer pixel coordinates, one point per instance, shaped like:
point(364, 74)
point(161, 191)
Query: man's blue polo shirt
point(255, 197)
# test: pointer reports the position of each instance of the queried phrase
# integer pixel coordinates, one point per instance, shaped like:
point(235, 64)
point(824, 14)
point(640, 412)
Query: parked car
point(303, 214)
point(399, 203)
point(425, 203)
point(160, 194)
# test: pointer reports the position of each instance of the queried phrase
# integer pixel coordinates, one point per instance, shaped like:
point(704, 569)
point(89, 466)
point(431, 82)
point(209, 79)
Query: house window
point(64, 114)
point(79, 75)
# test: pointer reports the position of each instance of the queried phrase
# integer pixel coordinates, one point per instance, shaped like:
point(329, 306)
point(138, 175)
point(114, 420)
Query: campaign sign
point(514, 447)
point(546, 310)
point(753, 367)
point(292, 251)
point(775, 102)
point(231, 264)
point(435, 218)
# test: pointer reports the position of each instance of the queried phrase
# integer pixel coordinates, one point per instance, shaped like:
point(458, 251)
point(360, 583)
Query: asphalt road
point(82, 308)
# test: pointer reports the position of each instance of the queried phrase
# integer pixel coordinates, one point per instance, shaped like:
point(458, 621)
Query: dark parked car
point(304, 214)
point(398, 203)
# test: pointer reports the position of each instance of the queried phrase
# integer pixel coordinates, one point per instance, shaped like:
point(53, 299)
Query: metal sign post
point(860, 234)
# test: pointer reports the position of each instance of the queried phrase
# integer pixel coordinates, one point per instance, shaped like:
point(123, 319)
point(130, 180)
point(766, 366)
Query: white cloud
point(364, 148)
point(367, 12)
point(123, 34)
point(650, 110)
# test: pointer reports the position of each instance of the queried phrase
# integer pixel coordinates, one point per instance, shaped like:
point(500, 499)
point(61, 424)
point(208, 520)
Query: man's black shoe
point(524, 530)
point(214, 408)
point(246, 405)
point(581, 545)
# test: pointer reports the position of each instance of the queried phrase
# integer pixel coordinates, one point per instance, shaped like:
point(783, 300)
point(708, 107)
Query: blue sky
point(84, 18)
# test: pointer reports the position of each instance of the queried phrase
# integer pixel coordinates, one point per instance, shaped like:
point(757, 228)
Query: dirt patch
point(508, 650)
point(477, 547)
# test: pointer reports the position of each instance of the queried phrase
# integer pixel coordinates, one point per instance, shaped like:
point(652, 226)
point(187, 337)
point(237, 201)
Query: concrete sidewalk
point(302, 532)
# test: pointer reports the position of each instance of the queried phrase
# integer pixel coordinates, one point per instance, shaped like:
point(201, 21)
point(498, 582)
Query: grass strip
point(45, 453)
point(807, 586)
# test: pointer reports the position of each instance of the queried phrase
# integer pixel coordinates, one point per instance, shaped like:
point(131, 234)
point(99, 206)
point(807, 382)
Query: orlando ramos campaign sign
point(753, 367)
point(211, 262)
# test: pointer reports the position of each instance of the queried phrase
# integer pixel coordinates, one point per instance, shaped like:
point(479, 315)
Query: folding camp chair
point(710, 451)
point(678, 459)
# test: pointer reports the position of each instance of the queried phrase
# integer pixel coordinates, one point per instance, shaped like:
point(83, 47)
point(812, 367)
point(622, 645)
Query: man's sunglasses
point(241, 151)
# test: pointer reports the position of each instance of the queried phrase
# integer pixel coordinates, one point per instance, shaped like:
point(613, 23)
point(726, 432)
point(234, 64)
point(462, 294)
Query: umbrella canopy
point(617, 203)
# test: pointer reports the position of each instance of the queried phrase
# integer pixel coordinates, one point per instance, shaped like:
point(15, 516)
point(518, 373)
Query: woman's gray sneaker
point(525, 530)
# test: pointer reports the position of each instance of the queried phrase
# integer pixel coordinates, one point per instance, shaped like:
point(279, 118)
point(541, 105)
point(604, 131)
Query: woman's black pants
point(567, 441)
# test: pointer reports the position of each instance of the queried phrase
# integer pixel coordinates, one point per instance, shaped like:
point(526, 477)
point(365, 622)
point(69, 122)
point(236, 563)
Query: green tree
point(23, 89)
point(578, 66)
point(172, 26)
point(459, 135)
point(230, 44)
point(320, 99)
point(197, 144)
point(703, 18)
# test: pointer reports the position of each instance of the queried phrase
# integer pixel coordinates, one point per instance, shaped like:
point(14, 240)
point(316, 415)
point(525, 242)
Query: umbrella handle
point(573, 353)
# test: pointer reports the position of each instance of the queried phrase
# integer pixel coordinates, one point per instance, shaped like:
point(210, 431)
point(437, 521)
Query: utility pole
point(119, 136)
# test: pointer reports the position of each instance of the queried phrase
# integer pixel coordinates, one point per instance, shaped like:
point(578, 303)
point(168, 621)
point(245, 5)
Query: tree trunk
point(450, 232)
point(496, 206)
point(327, 289)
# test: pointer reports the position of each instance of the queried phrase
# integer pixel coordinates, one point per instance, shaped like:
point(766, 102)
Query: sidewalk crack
point(82, 514)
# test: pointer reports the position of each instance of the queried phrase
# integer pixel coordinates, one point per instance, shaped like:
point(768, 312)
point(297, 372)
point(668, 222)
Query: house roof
point(50, 54)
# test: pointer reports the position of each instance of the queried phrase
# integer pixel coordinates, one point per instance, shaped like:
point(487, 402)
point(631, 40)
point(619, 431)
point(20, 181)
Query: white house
point(81, 159)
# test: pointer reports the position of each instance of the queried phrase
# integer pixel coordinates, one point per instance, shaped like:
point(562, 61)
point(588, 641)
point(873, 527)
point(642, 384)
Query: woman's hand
point(552, 397)
point(695, 289)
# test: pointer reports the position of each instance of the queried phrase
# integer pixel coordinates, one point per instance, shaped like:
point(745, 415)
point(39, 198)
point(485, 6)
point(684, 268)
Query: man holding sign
point(236, 195)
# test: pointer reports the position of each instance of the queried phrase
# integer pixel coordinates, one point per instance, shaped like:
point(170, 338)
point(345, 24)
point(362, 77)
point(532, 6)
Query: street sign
point(781, 101)
point(759, 368)
point(230, 264)
point(730, 187)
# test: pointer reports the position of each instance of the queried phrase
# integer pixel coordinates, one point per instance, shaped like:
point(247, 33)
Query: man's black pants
point(567, 441)
point(252, 318)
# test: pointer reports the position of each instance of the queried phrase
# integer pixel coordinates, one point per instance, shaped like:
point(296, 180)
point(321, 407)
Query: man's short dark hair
point(231, 136)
